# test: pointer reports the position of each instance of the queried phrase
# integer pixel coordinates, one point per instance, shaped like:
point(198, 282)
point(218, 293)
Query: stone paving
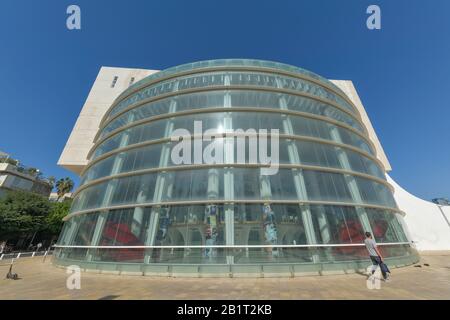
point(42, 280)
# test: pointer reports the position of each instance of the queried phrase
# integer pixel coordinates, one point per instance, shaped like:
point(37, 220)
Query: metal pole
point(236, 246)
point(31, 242)
point(443, 214)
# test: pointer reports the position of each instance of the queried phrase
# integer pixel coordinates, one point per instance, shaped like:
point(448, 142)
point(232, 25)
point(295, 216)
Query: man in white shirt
point(375, 255)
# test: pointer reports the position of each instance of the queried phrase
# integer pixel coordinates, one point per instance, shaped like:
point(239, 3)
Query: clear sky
point(402, 72)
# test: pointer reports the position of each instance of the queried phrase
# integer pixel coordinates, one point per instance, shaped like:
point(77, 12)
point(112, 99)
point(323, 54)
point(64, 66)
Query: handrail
point(18, 255)
point(233, 246)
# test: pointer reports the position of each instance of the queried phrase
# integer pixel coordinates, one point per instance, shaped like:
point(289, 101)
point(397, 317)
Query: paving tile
point(45, 281)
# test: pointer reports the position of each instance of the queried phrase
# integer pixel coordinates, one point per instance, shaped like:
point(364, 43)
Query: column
point(228, 177)
point(350, 180)
point(110, 190)
point(299, 181)
point(163, 186)
point(211, 213)
point(70, 234)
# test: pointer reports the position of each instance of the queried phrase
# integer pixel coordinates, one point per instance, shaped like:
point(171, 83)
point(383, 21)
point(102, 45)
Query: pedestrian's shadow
point(110, 297)
point(362, 273)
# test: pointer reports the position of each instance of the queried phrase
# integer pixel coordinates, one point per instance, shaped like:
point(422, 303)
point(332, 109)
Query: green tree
point(64, 186)
point(53, 220)
point(32, 171)
point(9, 161)
point(22, 212)
point(51, 181)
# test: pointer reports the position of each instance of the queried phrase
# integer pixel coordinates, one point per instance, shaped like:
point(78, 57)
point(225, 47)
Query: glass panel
point(254, 224)
point(282, 185)
point(316, 154)
point(86, 226)
point(385, 226)
point(289, 224)
point(310, 153)
point(323, 186)
point(236, 78)
point(127, 227)
point(335, 224)
point(241, 120)
point(115, 192)
point(257, 224)
point(203, 184)
point(246, 184)
point(64, 236)
point(190, 225)
point(375, 193)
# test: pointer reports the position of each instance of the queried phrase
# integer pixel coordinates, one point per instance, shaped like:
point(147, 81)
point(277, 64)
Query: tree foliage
point(25, 212)
point(64, 186)
point(58, 211)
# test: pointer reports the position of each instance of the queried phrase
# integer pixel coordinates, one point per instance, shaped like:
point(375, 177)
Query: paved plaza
point(42, 280)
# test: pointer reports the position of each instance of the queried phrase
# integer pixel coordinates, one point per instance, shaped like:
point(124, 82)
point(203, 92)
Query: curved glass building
point(139, 210)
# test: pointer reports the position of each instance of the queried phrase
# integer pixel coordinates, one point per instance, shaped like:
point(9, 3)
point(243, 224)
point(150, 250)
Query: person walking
point(376, 257)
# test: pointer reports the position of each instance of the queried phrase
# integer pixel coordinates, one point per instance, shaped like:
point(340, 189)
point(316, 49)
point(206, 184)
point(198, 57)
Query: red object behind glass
point(119, 234)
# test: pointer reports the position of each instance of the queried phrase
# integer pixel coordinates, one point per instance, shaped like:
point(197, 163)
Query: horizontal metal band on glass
point(231, 165)
point(324, 156)
point(211, 112)
point(235, 78)
point(122, 117)
point(142, 84)
point(237, 246)
point(281, 136)
point(231, 202)
point(232, 109)
point(215, 89)
point(156, 97)
point(228, 63)
point(356, 116)
point(127, 93)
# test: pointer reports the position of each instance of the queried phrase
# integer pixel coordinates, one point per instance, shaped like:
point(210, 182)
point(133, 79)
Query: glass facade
point(137, 207)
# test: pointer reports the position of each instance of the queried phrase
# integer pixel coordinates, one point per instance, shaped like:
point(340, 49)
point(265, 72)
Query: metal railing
point(231, 246)
point(18, 255)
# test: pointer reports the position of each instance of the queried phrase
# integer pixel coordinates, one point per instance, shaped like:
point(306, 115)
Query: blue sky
point(402, 72)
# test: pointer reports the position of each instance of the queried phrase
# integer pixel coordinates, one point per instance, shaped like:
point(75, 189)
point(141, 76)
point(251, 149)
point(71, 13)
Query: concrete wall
point(427, 225)
point(100, 98)
point(12, 179)
point(8, 171)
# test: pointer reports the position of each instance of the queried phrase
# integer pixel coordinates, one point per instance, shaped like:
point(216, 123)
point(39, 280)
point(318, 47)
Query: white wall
point(100, 98)
point(426, 224)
